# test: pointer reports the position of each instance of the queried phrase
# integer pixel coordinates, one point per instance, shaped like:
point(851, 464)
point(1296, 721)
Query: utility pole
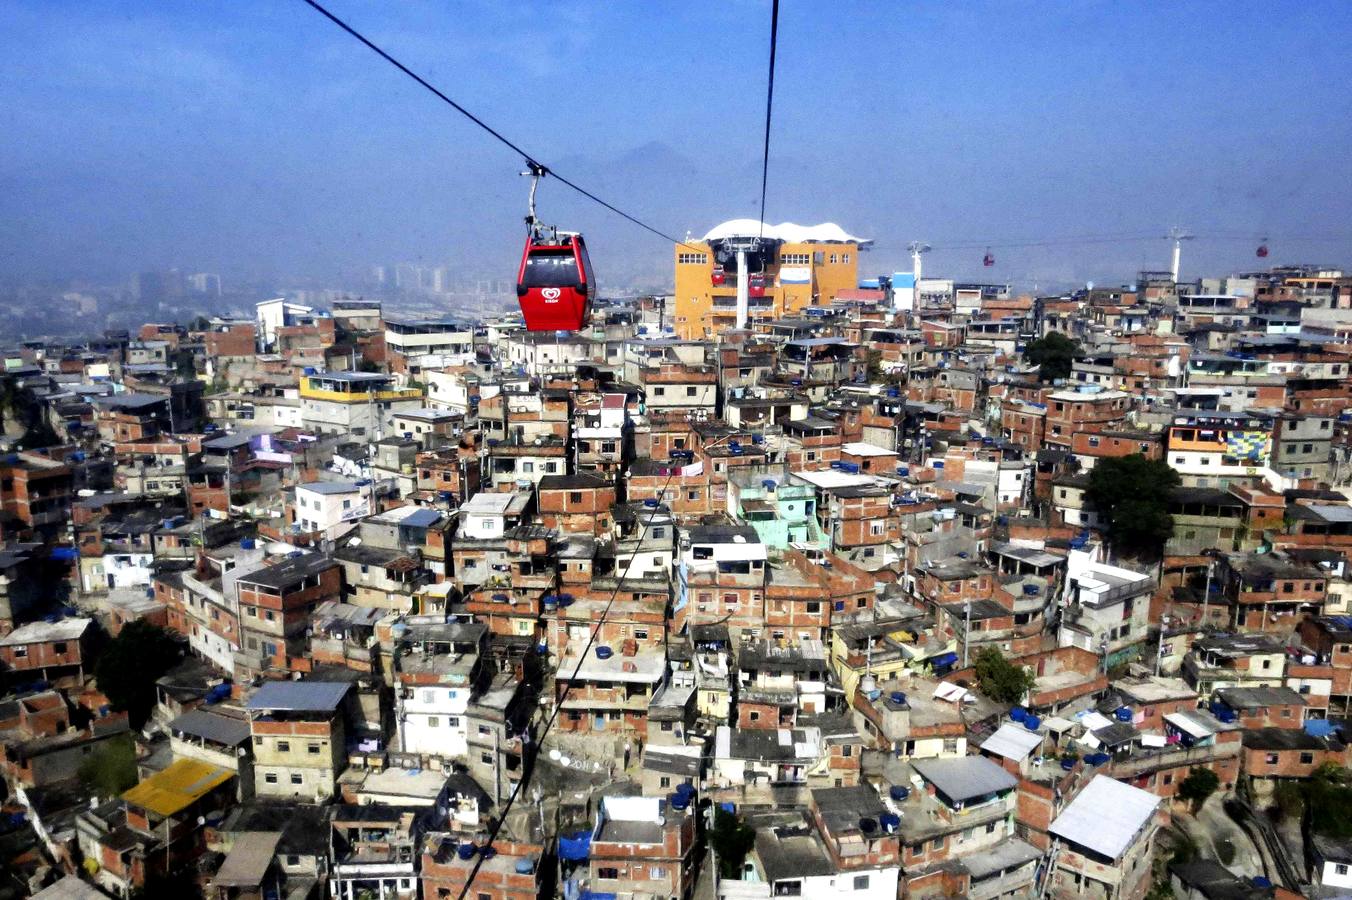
point(966, 630)
point(1206, 593)
point(1178, 235)
point(917, 248)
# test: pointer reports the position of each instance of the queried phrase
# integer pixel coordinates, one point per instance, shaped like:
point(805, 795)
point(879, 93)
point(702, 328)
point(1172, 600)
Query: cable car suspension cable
point(769, 109)
point(531, 161)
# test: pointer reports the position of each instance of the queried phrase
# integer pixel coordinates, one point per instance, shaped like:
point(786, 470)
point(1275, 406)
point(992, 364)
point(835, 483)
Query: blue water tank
point(1032, 723)
point(678, 802)
point(487, 851)
point(1123, 714)
point(1067, 763)
point(501, 598)
point(604, 652)
point(247, 544)
point(1031, 590)
point(889, 821)
point(525, 866)
point(899, 698)
point(650, 504)
point(769, 484)
point(1018, 714)
point(899, 792)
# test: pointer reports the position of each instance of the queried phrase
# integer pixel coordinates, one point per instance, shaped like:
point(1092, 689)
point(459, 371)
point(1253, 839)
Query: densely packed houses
point(330, 604)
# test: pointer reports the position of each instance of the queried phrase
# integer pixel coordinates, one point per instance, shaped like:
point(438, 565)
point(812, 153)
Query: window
point(574, 496)
point(794, 259)
point(433, 722)
point(847, 751)
point(754, 716)
point(607, 873)
point(312, 748)
point(1306, 759)
point(20, 652)
point(270, 778)
point(861, 882)
point(659, 392)
point(283, 746)
point(297, 778)
point(690, 259)
point(691, 391)
point(1270, 759)
point(486, 759)
point(60, 646)
point(1340, 868)
point(814, 606)
point(656, 872)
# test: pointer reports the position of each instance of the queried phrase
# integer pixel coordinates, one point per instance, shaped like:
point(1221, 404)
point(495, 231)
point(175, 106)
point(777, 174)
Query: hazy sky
point(256, 138)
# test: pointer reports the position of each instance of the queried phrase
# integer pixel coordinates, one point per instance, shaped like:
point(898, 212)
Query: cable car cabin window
point(550, 270)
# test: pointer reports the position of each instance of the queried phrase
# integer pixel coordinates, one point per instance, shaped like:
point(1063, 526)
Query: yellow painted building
point(803, 266)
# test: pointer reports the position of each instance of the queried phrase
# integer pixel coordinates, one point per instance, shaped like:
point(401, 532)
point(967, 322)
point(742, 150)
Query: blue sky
point(255, 138)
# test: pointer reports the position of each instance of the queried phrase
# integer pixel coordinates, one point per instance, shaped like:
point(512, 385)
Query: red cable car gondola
point(1262, 250)
point(718, 276)
point(989, 259)
point(554, 284)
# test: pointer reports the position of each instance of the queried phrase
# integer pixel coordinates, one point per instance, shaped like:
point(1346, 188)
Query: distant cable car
point(554, 284)
point(989, 259)
point(1262, 250)
point(718, 276)
point(755, 286)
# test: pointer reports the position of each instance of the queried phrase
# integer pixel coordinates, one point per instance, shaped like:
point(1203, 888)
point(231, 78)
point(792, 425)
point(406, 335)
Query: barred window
point(692, 259)
point(794, 259)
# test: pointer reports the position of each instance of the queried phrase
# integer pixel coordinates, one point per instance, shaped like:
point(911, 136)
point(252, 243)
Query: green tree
point(36, 436)
point(366, 365)
point(732, 839)
point(1132, 493)
point(184, 364)
point(1328, 795)
point(112, 769)
point(1053, 354)
point(1000, 679)
point(1200, 784)
point(130, 665)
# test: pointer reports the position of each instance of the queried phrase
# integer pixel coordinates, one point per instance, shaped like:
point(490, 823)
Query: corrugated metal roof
point(965, 777)
point(1106, 816)
point(176, 788)
point(299, 696)
point(1012, 741)
point(212, 726)
point(249, 859)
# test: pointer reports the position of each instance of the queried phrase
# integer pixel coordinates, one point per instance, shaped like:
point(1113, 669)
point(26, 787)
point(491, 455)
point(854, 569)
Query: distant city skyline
point(256, 140)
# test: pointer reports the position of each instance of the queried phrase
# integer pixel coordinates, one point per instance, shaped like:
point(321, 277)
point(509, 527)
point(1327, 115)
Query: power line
point(530, 159)
point(572, 680)
point(769, 109)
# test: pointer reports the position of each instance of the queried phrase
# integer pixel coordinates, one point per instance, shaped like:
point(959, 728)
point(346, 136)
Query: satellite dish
point(554, 755)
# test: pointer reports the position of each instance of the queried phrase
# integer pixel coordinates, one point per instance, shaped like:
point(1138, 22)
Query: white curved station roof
point(826, 233)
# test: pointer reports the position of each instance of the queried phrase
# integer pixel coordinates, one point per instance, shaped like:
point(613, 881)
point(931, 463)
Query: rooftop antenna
point(1178, 235)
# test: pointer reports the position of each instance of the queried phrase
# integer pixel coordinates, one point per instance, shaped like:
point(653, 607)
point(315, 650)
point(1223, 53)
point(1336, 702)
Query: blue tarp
point(577, 847)
point(1319, 727)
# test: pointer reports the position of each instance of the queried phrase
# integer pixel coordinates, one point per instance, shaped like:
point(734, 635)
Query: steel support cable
point(531, 161)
